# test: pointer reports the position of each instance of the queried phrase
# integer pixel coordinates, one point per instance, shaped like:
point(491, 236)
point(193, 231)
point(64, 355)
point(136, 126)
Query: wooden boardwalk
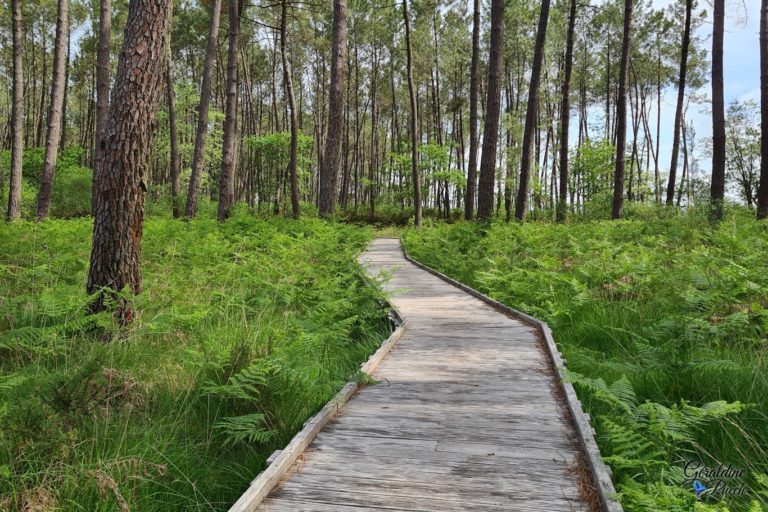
point(463, 418)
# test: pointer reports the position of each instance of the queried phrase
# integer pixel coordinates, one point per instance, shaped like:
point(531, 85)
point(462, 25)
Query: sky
point(741, 71)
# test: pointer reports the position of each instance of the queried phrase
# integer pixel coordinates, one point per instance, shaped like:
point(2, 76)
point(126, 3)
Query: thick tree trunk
point(762, 192)
point(414, 119)
point(17, 117)
point(55, 113)
point(680, 101)
point(174, 136)
point(621, 116)
point(717, 191)
point(329, 171)
point(123, 168)
point(530, 115)
point(193, 191)
point(565, 114)
point(288, 79)
point(102, 84)
point(493, 108)
point(474, 77)
point(227, 172)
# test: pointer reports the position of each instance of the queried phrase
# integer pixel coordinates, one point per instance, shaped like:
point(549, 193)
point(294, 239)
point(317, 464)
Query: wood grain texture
point(600, 472)
point(463, 417)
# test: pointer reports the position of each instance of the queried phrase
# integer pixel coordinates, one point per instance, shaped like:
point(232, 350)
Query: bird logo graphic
point(699, 488)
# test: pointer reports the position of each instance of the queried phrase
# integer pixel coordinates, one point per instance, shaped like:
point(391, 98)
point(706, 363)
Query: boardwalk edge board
point(601, 474)
point(268, 479)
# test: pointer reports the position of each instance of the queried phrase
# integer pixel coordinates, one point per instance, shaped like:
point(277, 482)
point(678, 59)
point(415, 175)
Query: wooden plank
point(601, 474)
point(269, 478)
point(463, 417)
point(386, 496)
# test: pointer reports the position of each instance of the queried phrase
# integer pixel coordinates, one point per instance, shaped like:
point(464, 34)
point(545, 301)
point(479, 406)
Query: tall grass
point(663, 321)
point(245, 329)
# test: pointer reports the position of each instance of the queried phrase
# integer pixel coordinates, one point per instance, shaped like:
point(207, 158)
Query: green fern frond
point(12, 382)
point(247, 384)
point(624, 392)
point(711, 411)
point(762, 481)
point(715, 365)
point(628, 443)
point(248, 428)
point(619, 395)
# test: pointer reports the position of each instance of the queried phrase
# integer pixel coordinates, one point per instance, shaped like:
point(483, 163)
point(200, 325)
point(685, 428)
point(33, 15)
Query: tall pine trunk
point(102, 84)
point(680, 101)
point(530, 115)
point(621, 116)
point(565, 114)
point(56, 112)
point(123, 168)
point(17, 116)
point(469, 201)
point(762, 192)
point(227, 172)
point(717, 191)
point(174, 139)
point(414, 118)
point(193, 191)
point(329, 171)
point(492, 111)
point(288, 80)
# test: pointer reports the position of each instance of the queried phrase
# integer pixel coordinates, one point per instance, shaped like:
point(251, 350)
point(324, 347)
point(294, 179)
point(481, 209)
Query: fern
point(248, 428)
point(12, 382)
point(619, 395)
point(248, 384)
point(628, 444)
point(762, 482)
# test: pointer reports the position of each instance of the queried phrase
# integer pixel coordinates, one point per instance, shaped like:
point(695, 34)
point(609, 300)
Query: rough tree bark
point(530, 115)
point(680, 101)
point(56, 111)
point(621, 116)
point(227, 172)
point(102, 83)
point(329, 169)
point(762, 192)
point(17, 116)
point(565, 114)
point(492, 110)
point(414, 119)
point(717, 191)
point(174, 138)
point(123, 168)
point(469, 201)
point(288, 79)
point(193, 192)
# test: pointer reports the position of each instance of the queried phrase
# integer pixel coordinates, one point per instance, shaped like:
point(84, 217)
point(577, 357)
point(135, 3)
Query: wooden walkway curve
point(464, 417)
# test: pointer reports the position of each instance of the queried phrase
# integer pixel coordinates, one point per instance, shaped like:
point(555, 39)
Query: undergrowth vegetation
point(245, 329)
point(663, 321)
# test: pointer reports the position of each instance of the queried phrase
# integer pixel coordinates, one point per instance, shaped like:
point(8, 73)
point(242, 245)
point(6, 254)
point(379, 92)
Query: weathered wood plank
point(463, 417)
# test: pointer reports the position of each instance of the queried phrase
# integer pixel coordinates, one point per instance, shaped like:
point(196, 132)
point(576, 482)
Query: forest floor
point(245, 329)
point(663, 321)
